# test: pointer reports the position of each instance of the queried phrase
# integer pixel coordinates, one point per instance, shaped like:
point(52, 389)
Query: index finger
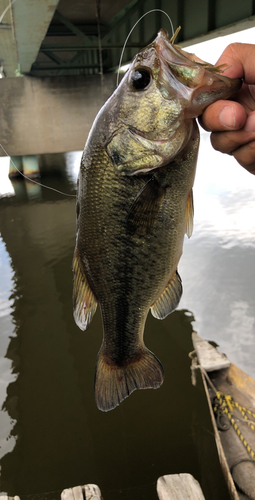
point(240, 61)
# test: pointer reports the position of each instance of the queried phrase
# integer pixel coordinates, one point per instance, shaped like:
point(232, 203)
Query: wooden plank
point(6, 497)
point(243, 381)
point(179, 487)
point(223, 462)
point(208, 356)
point(222, 457)
point(86, 492)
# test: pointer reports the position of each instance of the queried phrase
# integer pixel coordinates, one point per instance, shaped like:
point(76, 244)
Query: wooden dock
point(169, 487)
point(179, 487)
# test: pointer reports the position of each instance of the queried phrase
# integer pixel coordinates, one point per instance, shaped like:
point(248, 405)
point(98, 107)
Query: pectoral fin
point(189, 214)
point(169, 299)
point(145, 208)
point(84, 301)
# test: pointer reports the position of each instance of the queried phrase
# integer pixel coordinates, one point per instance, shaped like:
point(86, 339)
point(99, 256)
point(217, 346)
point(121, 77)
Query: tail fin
point(113, 383)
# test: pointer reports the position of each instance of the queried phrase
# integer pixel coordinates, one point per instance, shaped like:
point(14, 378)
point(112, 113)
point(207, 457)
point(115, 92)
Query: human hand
point(232, 122)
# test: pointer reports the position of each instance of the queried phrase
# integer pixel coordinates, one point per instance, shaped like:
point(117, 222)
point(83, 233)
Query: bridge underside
point(50, 114)
point(59, 51)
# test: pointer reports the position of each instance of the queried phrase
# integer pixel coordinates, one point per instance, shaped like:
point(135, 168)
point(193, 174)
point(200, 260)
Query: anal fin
point(84, 301)
point(169, 299)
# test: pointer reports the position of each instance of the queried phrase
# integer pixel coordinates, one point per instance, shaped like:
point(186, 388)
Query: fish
point(134, 206)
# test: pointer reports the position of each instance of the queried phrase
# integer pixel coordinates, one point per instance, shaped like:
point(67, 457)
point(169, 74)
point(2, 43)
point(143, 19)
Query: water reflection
point(224, 196)
point(62, 439)
point(7, 329)
point(217, 266)
point(6, 187)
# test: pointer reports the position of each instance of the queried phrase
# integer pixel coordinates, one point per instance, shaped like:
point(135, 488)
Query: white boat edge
point(209, 357)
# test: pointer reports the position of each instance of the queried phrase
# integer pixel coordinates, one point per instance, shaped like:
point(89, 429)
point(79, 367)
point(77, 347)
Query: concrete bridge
point(58, 62)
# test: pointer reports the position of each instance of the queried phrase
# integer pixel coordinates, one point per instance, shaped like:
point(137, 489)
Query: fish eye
point(140, 79)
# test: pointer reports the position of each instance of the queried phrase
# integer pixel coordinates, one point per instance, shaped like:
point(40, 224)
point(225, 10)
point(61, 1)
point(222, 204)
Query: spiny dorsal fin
point(169, 299)
point(84, 301)
point(145, 208)
point(189, 214)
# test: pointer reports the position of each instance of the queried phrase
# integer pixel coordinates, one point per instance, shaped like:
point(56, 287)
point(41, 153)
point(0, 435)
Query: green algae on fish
point(134, 206)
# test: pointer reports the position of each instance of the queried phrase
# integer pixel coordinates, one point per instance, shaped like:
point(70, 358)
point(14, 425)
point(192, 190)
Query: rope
point(225, 404)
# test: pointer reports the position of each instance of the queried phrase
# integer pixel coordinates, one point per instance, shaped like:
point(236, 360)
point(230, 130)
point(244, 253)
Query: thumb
point(222, 116)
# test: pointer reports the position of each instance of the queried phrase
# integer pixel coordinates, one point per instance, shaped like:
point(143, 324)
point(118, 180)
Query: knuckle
point(231, 50)
point(221, 142)
point(246, 156)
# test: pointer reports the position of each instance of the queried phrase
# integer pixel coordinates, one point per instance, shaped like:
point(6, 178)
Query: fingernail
point(227, 117)
point(250, 123)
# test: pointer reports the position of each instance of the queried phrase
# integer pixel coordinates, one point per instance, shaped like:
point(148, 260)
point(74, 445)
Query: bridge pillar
point(15, 166)
point(31, 166)
point(27, 164)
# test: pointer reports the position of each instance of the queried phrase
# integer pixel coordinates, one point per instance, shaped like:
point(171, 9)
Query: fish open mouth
point(197, 79)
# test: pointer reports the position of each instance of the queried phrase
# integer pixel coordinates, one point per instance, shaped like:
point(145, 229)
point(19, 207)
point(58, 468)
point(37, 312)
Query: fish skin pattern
point(134, 206)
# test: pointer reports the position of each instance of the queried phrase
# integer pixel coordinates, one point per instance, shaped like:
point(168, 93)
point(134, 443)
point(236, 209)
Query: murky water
point(52, 435)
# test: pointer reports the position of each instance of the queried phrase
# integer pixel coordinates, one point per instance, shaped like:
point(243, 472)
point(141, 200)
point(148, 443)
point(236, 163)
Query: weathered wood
point(243, 381)
point(6, 497)
point(221, 453)
point(86, 492)
point(209, 358)
point(179, 487)
point(197, 342)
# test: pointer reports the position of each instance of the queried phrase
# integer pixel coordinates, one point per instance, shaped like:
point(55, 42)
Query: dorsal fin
point(84, 301)
point(189, 214)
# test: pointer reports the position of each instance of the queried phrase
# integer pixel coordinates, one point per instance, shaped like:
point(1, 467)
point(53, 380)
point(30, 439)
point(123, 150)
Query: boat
point(231, 399)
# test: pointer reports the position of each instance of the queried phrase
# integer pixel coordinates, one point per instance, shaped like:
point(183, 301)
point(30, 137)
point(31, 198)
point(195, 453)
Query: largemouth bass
point(134, 206)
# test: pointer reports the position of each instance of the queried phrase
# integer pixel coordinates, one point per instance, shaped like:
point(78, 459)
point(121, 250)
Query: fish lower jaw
point(143, 165)
point(151, 143)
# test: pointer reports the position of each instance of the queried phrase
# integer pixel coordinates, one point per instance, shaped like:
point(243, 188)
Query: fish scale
point(135, 205)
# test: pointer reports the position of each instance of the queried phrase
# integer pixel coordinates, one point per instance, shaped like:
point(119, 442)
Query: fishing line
point(6, 9)
point(123, 49)
point(13, 164)
point(32, 180)
point(125, 43)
